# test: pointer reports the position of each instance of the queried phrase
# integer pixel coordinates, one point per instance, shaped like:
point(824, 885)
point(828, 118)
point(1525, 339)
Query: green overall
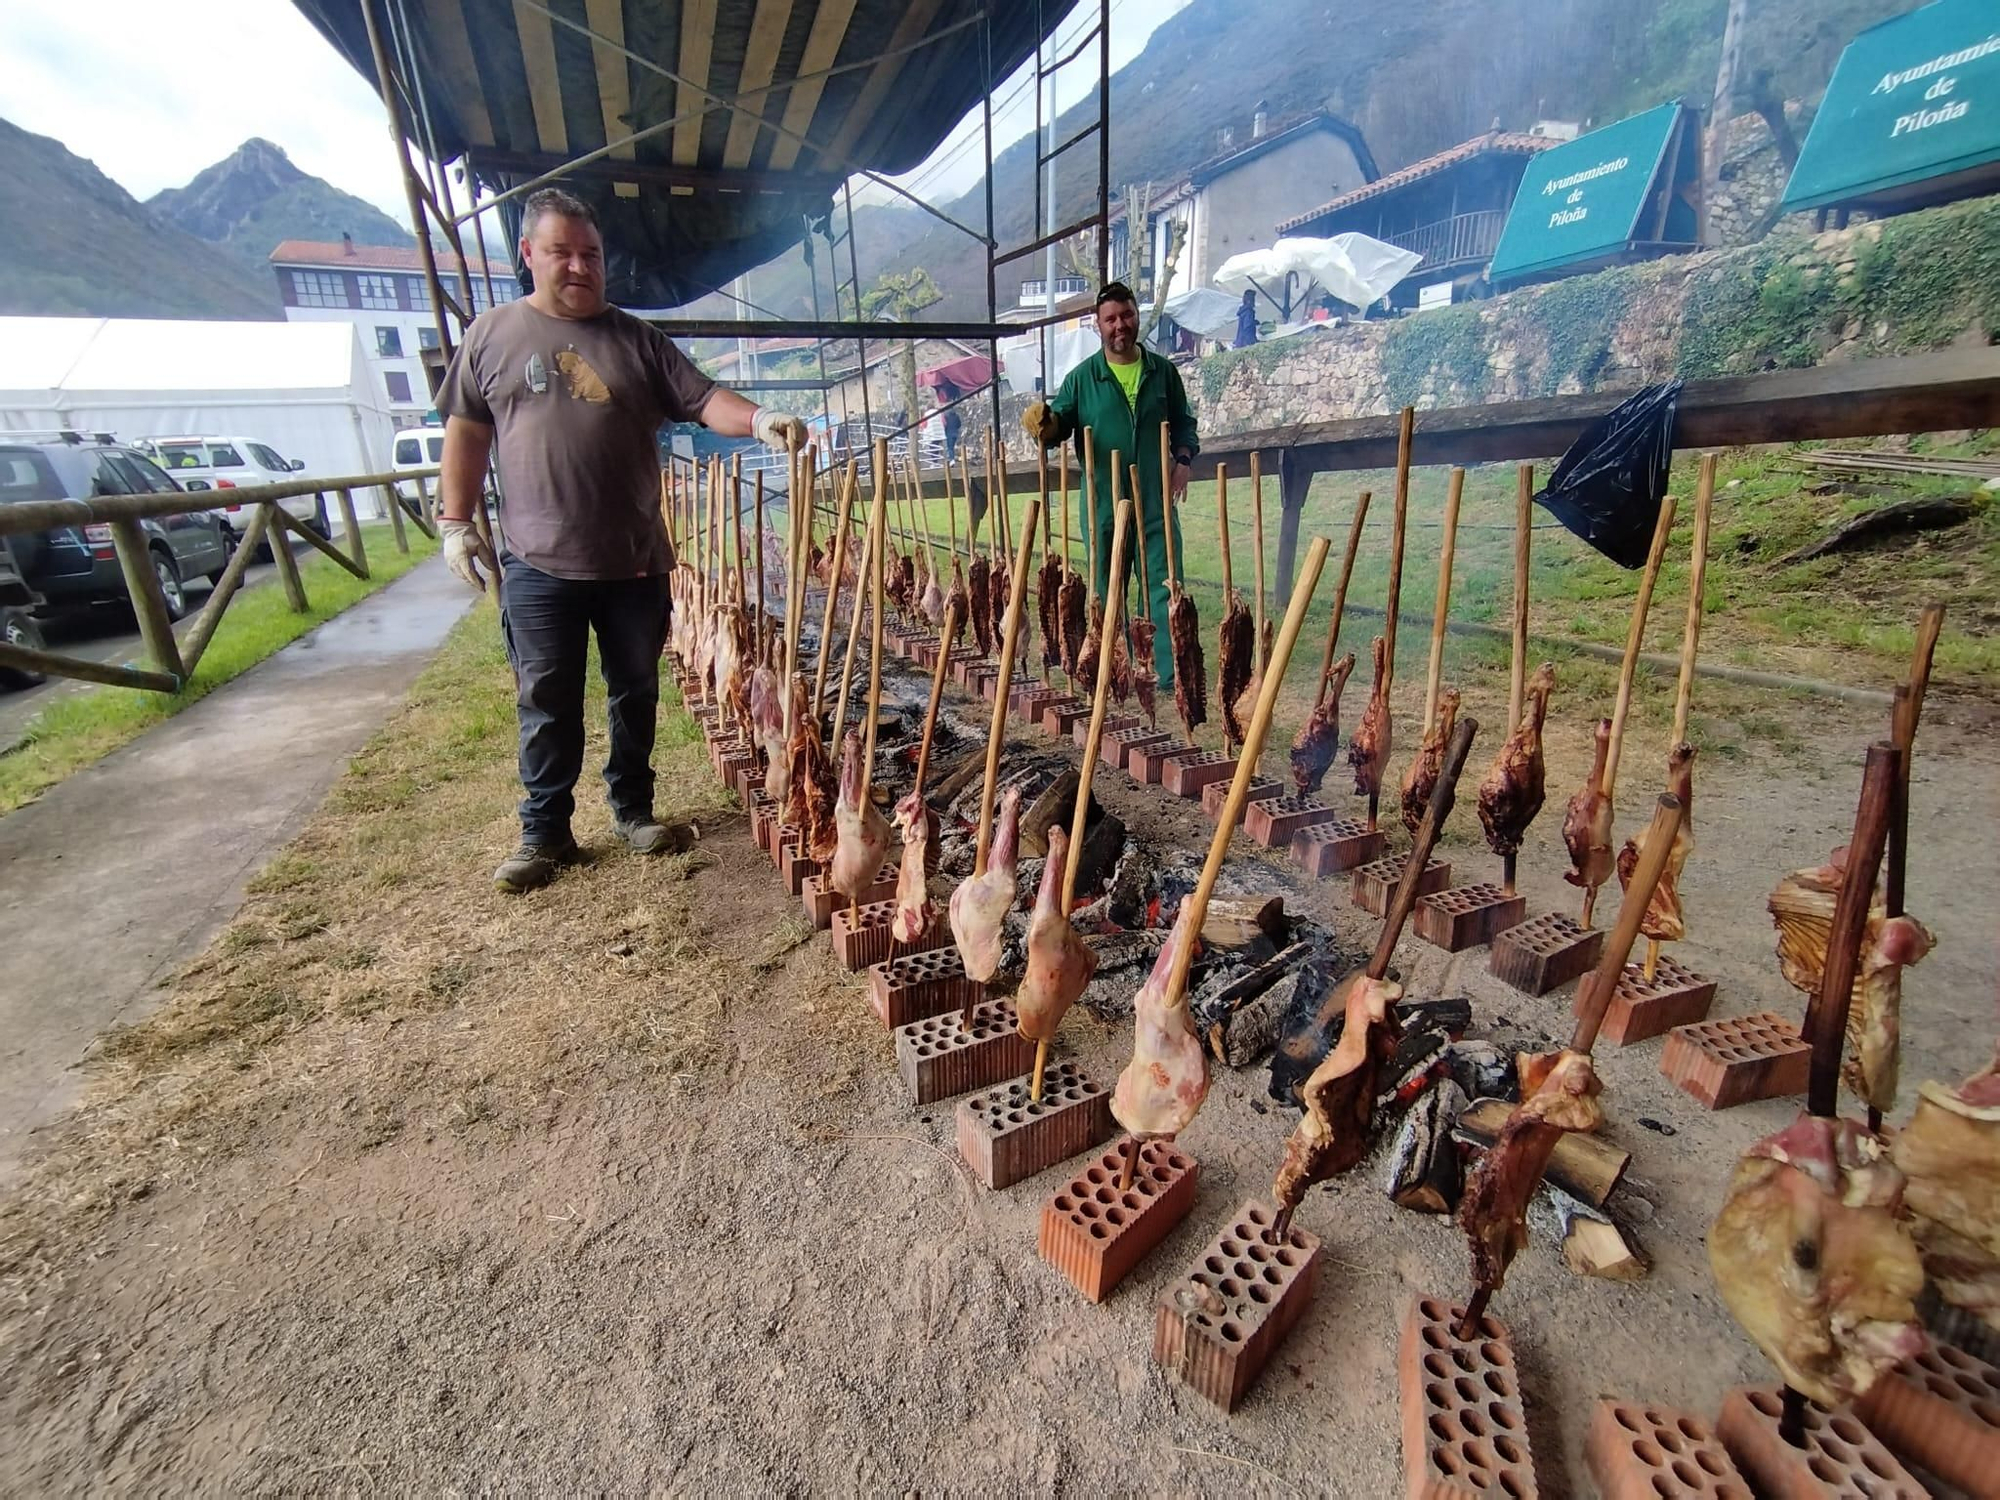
point(1091, 397)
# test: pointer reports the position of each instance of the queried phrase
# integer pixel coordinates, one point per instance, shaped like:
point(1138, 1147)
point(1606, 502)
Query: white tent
point(300, 388)
point(1353, 267)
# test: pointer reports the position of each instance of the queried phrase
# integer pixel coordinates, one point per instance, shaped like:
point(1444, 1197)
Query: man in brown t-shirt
point(574, 392)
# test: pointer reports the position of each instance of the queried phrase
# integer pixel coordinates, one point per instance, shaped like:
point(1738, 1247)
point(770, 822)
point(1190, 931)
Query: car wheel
point(19, 629)
point(170, 585)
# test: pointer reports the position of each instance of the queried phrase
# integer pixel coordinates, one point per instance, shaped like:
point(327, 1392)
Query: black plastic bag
point(1609, 486)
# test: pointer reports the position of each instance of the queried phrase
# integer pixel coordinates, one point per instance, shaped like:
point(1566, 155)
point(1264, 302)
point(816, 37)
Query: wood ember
point(1592, 1242)
point(1424, 1170)
point(1584, 1166)
point(1312, 1020)
point(1221, 1000)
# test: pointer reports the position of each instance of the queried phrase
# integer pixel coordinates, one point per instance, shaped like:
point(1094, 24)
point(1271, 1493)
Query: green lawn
point(83, 727)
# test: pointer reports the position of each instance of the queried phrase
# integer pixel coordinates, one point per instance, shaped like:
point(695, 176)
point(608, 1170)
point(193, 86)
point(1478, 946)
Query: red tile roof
point(1500, 142)
point(356, 257)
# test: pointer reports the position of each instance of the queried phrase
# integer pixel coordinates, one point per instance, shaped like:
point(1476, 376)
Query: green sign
point(1582, 199)
point(1913, 99)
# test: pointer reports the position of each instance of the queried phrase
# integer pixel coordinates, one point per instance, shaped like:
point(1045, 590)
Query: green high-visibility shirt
point(1127, 377)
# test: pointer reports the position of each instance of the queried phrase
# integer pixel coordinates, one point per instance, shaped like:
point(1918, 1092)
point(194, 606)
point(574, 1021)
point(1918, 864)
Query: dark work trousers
point(547, 622)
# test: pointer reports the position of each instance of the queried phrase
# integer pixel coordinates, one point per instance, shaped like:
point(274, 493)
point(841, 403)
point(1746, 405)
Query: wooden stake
point(1704, 496)
point(877, 524)
point(1090, 510)
point(1825, 1026)
point(1634, 635)
point(1139, 517)
point(1257, 536)
point(951, 510)
point(1340, 598)
point(1246, 766)
point(836, 573)
point(1406, 427)
point(796, 519)
point(1131, 1166)
point(1911, 708)
point(1524, 525)
point(1443, 797)
point(861, 577)
point(1222, 531)
point(996, 734)
point(1100, 697)
point(1594, 996)
point(937, 693)
point(763, 599)
point(1435, 674)
point(736, 510)
point(1167, 514)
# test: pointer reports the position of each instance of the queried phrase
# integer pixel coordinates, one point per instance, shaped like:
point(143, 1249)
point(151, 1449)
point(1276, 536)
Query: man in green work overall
point(1123, 394)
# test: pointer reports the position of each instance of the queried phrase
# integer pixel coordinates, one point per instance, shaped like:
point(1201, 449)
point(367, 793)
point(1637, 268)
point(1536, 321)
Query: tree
point(898, 298)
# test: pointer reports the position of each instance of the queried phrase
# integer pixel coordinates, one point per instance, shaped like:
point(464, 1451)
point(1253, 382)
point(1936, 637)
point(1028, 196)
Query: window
point(409, 451)
point(183, 455)
point(398, 383)
point(320, 289)
point(436, 447)
point(427, 337)
point(420, 293)
point(222, 456)
point(26, 475)
point(267, 458)
point(388, 342)
point(378, 291)
point(141, 474)
point(505, 289)
point(106, 478)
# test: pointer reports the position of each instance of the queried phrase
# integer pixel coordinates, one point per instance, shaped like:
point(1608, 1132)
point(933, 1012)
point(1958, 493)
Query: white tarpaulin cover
point(1206, 312)
point(302, 388)
point(1021, 358)
point(1353, 267)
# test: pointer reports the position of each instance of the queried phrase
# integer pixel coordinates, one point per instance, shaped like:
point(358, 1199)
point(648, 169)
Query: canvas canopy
point(1353, 267)
point(1204, 311)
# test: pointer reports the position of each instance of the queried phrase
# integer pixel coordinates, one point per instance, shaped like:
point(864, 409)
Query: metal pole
point(386, 80)
point(992, 247)
point(1104, 147)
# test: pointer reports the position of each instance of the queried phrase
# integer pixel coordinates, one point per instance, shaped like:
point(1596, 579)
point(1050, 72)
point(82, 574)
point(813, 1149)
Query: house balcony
point(1463, 239)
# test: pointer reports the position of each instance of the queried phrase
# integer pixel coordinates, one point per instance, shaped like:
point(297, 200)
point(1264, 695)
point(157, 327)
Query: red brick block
point(1187, 778)
point(784, 838)
point(1030, 697)
point(1645, 1452)
point(964, 664)
point(917, 986)
point(820, 902)
point(1545, 953)
point(1118, 747)
point(1375, 882)
point(796, 867)
point(1841, 1459)
point(863, 937)
point(1641, 1008)
point(1940, 1411)
point(763, 818)
point(1464, 1432)
point(1059, 718)
point(1467, 915)
point(1005, 1136)
point(983, 679)
point(940, 1057)
point(1113, 722)
point(1149, 766)
point(1216, 793)
point(1272, 822)
point(1095, 1233)
point(1733, 1061)
point(1329, 848)
point(1217, 1327)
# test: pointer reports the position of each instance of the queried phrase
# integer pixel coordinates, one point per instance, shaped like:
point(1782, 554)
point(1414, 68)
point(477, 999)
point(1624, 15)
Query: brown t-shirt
point(577, 405)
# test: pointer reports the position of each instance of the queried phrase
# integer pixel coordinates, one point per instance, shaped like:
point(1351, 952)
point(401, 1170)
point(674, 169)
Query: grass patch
point(81, 728)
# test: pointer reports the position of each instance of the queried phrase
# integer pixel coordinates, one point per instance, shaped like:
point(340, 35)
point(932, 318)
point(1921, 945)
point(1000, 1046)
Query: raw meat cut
point(1072, 617)
point(1145, 674)
point(1587, 828)
point(1190, 671)
point(1512, 794)
point(1368, 751)
point(1000, 590)
point(1663, 921)
point(1811, 1261)
point(930, 603)
point(980, 905)
point(861, 841)
point(1060, 963)
point(1318, 740)
point(962, 597)
point(1092, 648)
point(916, 825)
point(1950, 1155)
point(1428, 762)
point(1339, 1095)
point(1162, 1087)
point(1236, 641)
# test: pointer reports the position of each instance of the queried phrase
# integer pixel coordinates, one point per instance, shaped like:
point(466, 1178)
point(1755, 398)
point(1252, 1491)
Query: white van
point(418, 448)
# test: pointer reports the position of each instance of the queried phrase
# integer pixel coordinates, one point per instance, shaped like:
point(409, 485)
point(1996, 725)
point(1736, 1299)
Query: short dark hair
point(554, 201)
point(1114, 291)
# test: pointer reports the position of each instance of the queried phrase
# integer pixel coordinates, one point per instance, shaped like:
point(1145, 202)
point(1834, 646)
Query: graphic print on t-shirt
point(584, 383)
point(537, 374)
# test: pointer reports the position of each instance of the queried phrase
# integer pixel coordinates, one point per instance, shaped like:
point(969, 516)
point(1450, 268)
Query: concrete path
point(129, 868)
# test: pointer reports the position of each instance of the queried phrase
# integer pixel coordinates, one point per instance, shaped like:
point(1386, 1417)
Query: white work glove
point(780, 430)
point(464, 550)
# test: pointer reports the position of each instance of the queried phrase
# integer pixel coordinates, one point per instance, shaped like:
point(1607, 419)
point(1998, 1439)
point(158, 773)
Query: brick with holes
point(1006, 1137)
point(1059, 718)
point(1333, 848)
point(1218, 1325)
point(1640, 1452)
point(1642, 1008)
point(917, 986)
point(1149, 767)
point(1467, 915)
point(1841, 1459)
point(1464, 1431)
point(1375, 882)
point(1113, 723)
point(1940, 1411)
point(1737, 1059)
point(1120, 747)
point(940, 1057)
point(1545, 953)
point(820, 901)
point(1187, 778)
point(1216, 793)
point(863, 937)
point(1095, 1232)
point(1272, 822)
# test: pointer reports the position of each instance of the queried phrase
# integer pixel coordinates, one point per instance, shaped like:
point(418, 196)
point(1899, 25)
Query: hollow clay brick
point(763, 818)
point(1217, 1326)
point(1329, 848)
point(1113, 723)
point(1004, 1136)
point(1841, 1459)
point(1737, 1059)
point(920, 985)
point(1642, 1008)
point(1094, 1232)
point(1467, 915)
point(820, 902)
point(1059, 718)
point(785, 837)
point(863, 937)
point(1464, 1431)
point(1271, 822)
point(1545, 953)
point(1657, 1453)
point(1940, 1411)
point(1187, 778)
point(1149, 767)
point(983, 678)
point(796, 867)
point(1375, 882)
point(1118, 748)
point(1217, 792)
point(939, 1057)
point(1029, 698)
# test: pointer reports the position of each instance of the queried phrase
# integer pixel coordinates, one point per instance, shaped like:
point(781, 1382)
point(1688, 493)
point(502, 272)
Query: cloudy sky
point(152, 91)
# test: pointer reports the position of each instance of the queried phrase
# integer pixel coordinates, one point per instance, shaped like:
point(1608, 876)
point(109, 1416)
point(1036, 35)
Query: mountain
point(254, 197)
point(75, 244)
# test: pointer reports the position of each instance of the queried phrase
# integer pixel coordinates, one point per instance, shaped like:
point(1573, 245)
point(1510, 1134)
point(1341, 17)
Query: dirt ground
point(614, 1186)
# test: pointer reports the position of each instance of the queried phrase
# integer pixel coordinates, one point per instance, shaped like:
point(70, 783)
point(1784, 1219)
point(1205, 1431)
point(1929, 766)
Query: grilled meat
point(1428, 763)
point(1145, 675)
point(979, 583)
point(861, 841)
point(930, 603)
point(1190, 671)
point(1048, 607)
point(1587, 828)
point(1368, 751)
point(1121, 668)
point(980, 905)
point(962, 597)
point(1663, 921)
point(1811, 1261)
point(1060, 963)
point(1073, 618)
point(1000, 590)
point(1164, 1084)
point(1092, 648)
point(1319, 737)
point(1950, 1154)
point(1339, 1094)
point(1236, 641)
point(767, 731)
point(1511, 796)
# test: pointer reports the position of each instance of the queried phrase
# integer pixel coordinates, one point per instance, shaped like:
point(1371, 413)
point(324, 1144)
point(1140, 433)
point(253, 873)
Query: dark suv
point(79, 564)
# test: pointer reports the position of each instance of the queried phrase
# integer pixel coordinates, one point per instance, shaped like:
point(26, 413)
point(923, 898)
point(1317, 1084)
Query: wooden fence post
point(281, 554)
point(203, 630)
point(149, 599)
point(394, 503)
point(353, 529)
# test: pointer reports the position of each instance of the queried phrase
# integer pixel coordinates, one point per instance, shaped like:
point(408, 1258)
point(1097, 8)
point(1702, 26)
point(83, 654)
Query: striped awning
point(827, 88)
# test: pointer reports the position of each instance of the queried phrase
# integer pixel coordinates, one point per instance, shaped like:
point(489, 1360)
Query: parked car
point(417, 448)
point(79, 564)
point(18, 603)
point(226, 463)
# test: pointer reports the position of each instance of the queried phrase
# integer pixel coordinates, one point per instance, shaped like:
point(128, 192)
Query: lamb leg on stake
point(1428, 761)
point(1318, 739)
point(1512, 794)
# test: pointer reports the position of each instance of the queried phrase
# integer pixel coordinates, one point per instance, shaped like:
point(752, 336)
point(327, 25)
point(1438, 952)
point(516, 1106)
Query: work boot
point(649, 836)
point(534, 865)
